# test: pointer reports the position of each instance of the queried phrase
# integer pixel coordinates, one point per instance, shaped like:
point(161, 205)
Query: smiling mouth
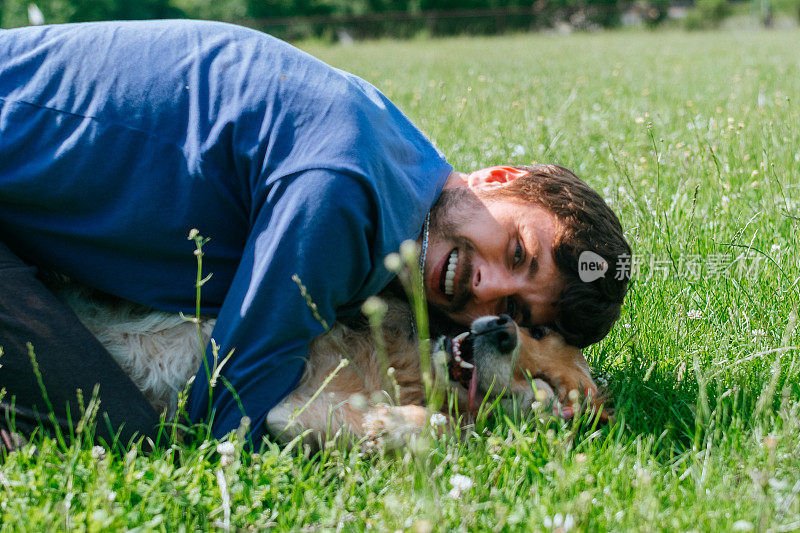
point(447, 280)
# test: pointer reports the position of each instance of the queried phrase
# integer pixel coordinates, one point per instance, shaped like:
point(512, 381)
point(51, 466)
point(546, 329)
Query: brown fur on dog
point(347, 402)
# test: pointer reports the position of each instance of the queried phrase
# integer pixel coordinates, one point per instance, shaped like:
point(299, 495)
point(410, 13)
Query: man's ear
point(494, 176)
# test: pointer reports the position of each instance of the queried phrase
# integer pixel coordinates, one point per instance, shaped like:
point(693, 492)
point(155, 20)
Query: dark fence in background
point(483, 21)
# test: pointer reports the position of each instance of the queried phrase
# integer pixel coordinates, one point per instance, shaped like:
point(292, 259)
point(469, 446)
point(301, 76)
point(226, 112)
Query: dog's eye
point(537, 332)
point(512, 308)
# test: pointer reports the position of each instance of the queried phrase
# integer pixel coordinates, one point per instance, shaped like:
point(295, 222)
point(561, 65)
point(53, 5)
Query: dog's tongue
point(473, 391)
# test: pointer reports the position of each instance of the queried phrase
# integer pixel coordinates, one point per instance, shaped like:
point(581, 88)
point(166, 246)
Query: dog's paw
point(390, 427)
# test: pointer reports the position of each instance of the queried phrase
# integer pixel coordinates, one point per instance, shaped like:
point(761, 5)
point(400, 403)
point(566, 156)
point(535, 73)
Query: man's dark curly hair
point(586, 311)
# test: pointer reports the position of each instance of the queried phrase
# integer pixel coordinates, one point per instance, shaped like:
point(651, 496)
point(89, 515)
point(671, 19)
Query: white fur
point(159, 351)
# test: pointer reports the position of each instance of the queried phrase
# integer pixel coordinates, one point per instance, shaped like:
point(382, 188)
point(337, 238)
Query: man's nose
point(492, 284)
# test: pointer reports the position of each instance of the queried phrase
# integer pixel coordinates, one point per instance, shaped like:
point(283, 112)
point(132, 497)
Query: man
point(116, 139)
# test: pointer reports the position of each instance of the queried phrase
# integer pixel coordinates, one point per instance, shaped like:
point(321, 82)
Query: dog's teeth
point(461, 336)
point(464, 364)
point(457, 357)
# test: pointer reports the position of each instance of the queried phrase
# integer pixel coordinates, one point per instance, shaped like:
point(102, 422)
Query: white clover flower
point(454, 493)
point(573, 396)
point(461, 482)
point(374, 306)
point(409, 250)
point(694, 314)
point(541, 395)
point(758, 333)
point(742, 525)
point(358, 402)
point(98, 453)
point(226, 448)
point(392, 262)
point(438, 419)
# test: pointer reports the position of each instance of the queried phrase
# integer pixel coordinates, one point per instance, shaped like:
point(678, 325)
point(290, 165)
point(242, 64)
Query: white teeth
point(450, 275)
point(457, 351)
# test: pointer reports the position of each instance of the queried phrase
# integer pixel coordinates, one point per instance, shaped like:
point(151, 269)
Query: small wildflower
point(423, 526)
point(358, 402)
point(694, 314)
point(461, 482)
point(454, 494)
point(775, 248)
point(98, 453)
point(438, 419)
point(541, 395)
point(574, 396)
point(225, 448)
point(758, 333)
point(392, 262)
point(192, 234)
point(409, 250)
point(374, 306)
point(580, 458)
point(742, 525)
point(559, 522)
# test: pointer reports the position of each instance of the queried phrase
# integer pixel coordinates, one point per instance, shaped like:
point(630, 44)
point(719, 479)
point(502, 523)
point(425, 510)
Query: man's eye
point(518, 255)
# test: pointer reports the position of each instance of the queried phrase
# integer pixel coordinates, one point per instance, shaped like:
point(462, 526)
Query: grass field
point(695, 140)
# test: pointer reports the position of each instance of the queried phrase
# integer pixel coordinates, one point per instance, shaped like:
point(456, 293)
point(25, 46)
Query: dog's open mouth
point(461, 365)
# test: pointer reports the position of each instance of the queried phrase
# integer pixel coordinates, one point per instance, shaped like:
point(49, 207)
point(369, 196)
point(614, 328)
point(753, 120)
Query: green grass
point(695, 140)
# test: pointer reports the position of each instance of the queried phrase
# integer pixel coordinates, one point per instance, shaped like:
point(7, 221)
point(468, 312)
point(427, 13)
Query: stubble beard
point(449, 212)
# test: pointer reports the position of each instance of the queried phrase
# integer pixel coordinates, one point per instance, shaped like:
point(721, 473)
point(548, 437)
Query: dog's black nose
point(500, 331)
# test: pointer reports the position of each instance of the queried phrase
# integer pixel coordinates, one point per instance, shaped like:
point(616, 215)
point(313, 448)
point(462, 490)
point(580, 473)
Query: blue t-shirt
point(117, 138)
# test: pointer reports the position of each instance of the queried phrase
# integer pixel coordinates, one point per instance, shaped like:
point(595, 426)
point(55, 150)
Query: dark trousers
point(68, 357)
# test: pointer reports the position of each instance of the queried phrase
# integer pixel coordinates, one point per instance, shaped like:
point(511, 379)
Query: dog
point(373, 402)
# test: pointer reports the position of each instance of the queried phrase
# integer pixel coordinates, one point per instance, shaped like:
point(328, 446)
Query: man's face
point(500, 254)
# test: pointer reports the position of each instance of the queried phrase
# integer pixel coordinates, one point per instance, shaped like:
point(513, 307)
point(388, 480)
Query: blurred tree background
point(346, 19)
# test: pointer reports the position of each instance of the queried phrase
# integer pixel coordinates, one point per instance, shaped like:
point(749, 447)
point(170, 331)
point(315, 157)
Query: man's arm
point(320, 226)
